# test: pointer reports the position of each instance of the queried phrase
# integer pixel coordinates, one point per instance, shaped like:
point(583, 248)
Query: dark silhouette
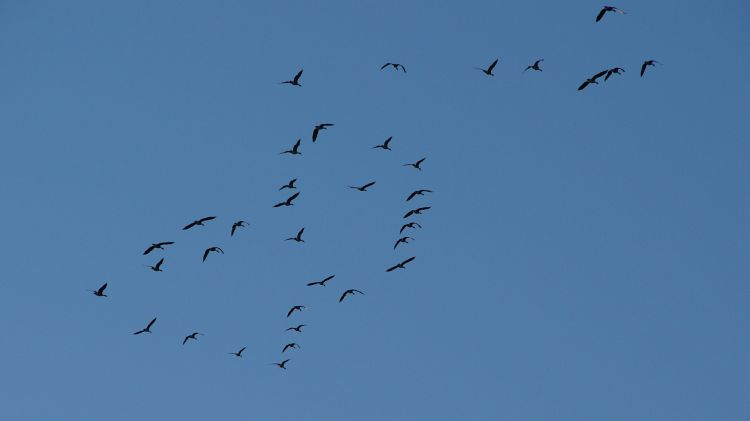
point(394, 65)
point(100, 292)
point(416, 164)
point(488, 71)
point(419, 192)
point(295, 81)
point(318, 128)
point(212, 249)
point(350, 292)
point(238, 224)
point(193, 335)
point(291, 345)
point(535, 66)
point(295, 149)
point(404, 240)
point(401, 265)
point(154, 246)
point(417, 211)
point(363, 188)
point(295, 308)
point(281, 364)
point(289, 185)
point(147, 329)
point(298, 237)
point(238, 353)
point(288, 201)
point(157, 266)
point(321, 283)
point(647, 63)
point(614, 71)
point(384, 146)
point(606, 9)
point(297, 328)
point(412, 225)
point(592, 80)
point(199, 222)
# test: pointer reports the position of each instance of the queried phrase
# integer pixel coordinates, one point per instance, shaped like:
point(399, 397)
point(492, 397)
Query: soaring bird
point(384, 145)
point(606, 9)
point(100, 292)
point(488, 71)
point(157, 266)
point(157, 246)
point(147, 329)
point(193, 335)
point(401, 265)
point(419, 192)
point(298, 237)
point(363, 188)
point(394, 65)
point(592, 80)
point(291, 345)
point(350, 292)
point(295, 308)
point(294, 150)
point(535, 66)
point(614, 71)
point(321, 283)
point(212, 249)
point(646, 64)
point(289, 185)
point(318, 128)
point(295, 81)
point(417, 211)
point(416, 164)
point(199, 222)
point(281, 364)
point(412, 225)
point(238, 224)
point(288, 201)
point(404, 240)
point(297, 328)
point(238, 353)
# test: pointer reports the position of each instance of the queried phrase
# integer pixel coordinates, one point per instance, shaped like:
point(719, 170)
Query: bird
point(154, 246)
point(488, 71)
point(295, 81)
point(417, 211)
point(412, 225)
point(646, 64)
point(535, 66)
point(321, 283)
point(419, 192)
point(363, 188)
point(295, 308)
point(212, 249)
point(157, 266)
point(238, 353)
point(289, 185)
point(318, 128)
point(606, 9)
point(297, 328)
point(199, 222)
point(281, 364)
point(100, 292)
point(614, 71)
point(401, 265)
point(416, 164)
point(193, 335)
point(404, 240)
point(350, 292)
point(147, 329)
point(294, 150)
point(394, 65)
point(291, 345)
point(238, 224)
point(384, 145)
point(298, 237)
point(288, 201)
point(592, 80)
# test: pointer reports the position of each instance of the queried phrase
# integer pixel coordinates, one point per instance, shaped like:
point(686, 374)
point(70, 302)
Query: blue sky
point(584, 257)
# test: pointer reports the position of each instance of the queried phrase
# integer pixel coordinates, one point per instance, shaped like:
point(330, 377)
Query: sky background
point(585, 257)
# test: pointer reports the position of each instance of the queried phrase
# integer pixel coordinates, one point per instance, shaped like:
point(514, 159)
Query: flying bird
point(238, 224)
point(289, 185)
point(295, 308)
point(288, 201)
point(318, 128)
point(417, 211)
point(412, 225)
point(321, 283)
point(298, 237)
point(297, 328)
point(535, 66)
point(592, 80)
point(363, 188)
point(238, 353)
point(294, 150)
point(404, 240)
point(154, 246)
point(394, 65)
point(295, 81)
point(384, 145)
point(157, 266)
point(606, 9)
point(416, 164)
point(147, 329)
point(488, 71)
point(419, 192)
point(401, 265)
point(281, 364)
point(350, 292)
point(291, 345)
point(100, 292)
point(193, 335)
point(646, 64)
point(212, 249)
point(199, 222)
point(614, 71)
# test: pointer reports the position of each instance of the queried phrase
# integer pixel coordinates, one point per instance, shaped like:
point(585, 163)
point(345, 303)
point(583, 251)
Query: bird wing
point(643, 68)
point(139, 332)
point(598, 75)
point(291, 310)
point(315, 134)
point(403, 68)
point(368, 185)
point(219, 250)
point(403, 227)
point(205, 254)
point(234, 228)
point(387, 141)
point(151, 323)
point(101, 289)
point(583, 85)
point(299, 234)
point(166, 243)
point(419, 162)
point(408, 260)
point(424, 208)
point(384, 66)
point(411, 196)
point(392, 268)
point(149, 250)
point(314, 283)
point(601, 14)
point(296, 78)
point(328, 278)
point(158, 264)
point(292, 197)
point(208, 218)
point(296, 145)
point(492, 66)
point(185, 340)
point(343, 295)
point(408, 214)
point(190, 225)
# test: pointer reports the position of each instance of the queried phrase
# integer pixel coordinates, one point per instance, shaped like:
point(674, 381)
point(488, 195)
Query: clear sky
point(585, 257)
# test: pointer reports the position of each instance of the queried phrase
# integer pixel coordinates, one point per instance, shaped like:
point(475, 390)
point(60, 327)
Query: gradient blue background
point(585, 257)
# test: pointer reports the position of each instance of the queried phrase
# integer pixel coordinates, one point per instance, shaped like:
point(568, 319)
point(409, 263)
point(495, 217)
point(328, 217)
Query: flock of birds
point(289, 201)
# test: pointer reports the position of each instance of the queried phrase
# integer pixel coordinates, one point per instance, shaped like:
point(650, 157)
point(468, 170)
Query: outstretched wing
point(205, 254)
point(643, 68)
point(384, 66)
point(151, 323)
point(368, 185)
point(296, 78)
point(601, 14)
point(492, 66)
point(149, 249)
point(408, 260)
point(190, 225)
point(583, 85)
point(101, 289)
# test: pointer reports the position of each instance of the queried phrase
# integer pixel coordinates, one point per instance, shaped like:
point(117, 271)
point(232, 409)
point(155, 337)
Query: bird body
point(289, 185)
point(646, 64)
point(535, 66)
point(488, 70)
point(100, 292)
point(419, 192)
point(401, 265)
point(295, 149)
point(321, 283)
point(350, 292)
point(394, 65)
point(199, 222)
point(384, 145)
point(412, 225)
point(606, 9)
point(291, 345)
point(157, 266)
point(417, 164)
point(298, 237)
point(614, 71)
point(288, 201)
point(210, 250)
point(147, 329)
point(238, 353)
point(318, 128)
point(592, 80)
point(404, 240)
point(155, 246)
point(282, 364)
point(295, 80)
point(295, 308)
point(238, 224)
point(297, 328)
point(193, 336)
point(363, 188)
point(417, 211)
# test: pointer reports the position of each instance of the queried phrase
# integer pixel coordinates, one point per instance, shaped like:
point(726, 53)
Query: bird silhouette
point(238, 353)
point(647, 63)
point(394, 65)
point(295, 81)
point(384, 145)
point(614, 71)
point(592, 80)
point(363, 188)
point(417, 211)
point(199, 222)
point(295, 149)
point(238, 224)
point(412, 225)
point(350, 292)
point(281, 364)
point(157, 266)
point(193, 335)
point(297, 328)
point(289, 185)
point(154, 246)
point(318, 128)
point(535, 66)
point(606, 9)
point(147, 329)
point(416, 164)
point(401, 265)
point(419, 192)
point(291, 345)
point(488, 71)
point(298, 237)
point(321, 283)
point(288, 201)
point(212, 249)
point(100, 292)
point(295, 308)
point(404, 240)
